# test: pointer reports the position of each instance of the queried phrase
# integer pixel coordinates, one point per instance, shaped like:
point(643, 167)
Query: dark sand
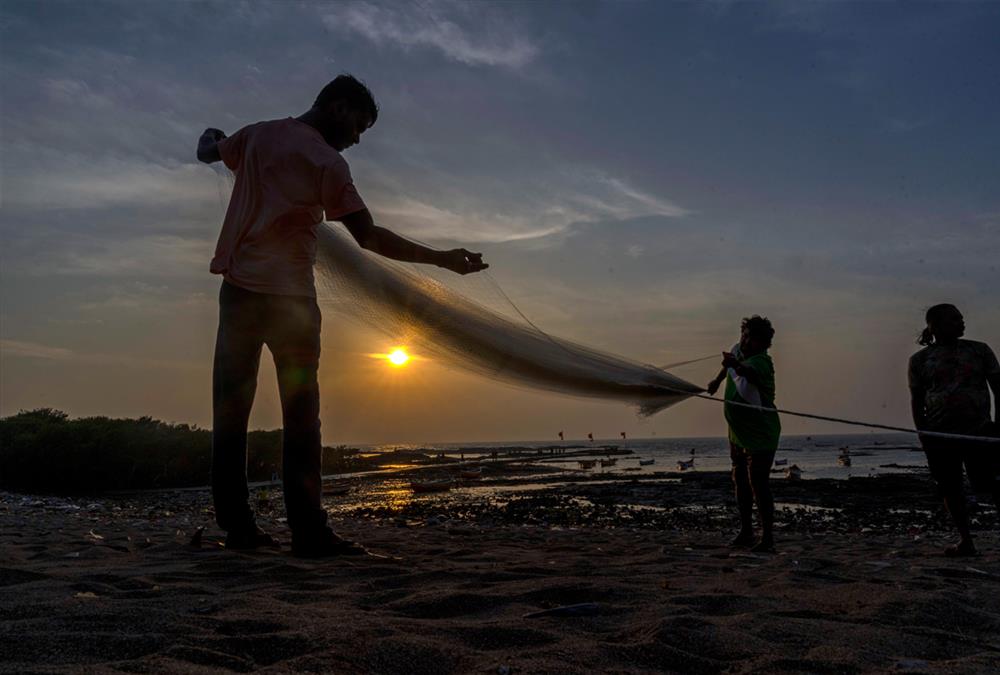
point(113, 584)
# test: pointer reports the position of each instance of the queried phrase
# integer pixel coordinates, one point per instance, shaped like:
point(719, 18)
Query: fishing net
point(467, 335)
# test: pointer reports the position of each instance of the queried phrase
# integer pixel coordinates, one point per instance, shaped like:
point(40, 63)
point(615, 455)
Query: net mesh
point(464, 334)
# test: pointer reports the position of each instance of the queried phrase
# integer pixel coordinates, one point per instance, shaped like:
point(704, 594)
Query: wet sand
point(114, 584)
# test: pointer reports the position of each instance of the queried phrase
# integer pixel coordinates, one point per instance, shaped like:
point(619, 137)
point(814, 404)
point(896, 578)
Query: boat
point(793, 472)
point(336, 488)
point(587, 463)
point(471, 474)
point(685, 465)
point(442, 485)
point(781, 462)
point(646, 462)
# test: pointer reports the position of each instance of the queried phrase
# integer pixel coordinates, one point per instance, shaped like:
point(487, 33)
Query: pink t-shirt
point(287, 176)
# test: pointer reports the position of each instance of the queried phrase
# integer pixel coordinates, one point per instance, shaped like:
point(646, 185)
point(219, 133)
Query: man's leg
point(945, 465)
point(744, 495)
point(234, 383)
point(294, 340)
point(759, 465)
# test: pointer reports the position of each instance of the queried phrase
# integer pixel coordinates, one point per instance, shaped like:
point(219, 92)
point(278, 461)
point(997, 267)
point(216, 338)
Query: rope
point(840, 420)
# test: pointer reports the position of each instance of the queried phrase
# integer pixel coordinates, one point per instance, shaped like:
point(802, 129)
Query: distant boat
point(587, 463)
point(442, 485)
point(793, 472)
point(683, 466)
point(471, 474)
point(781, 462)
point(610, 461)
point(336, 488)
point(646, 462)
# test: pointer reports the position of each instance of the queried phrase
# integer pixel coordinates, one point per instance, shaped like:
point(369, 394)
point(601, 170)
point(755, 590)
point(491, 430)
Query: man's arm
point(917, 407)
point(994, 381)
point(713, 386)
point(391, 245)
point(208, 150)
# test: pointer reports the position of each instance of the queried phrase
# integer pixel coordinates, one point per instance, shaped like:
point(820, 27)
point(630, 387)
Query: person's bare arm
point(389, 244)
point(917, 407)
point(713, 385)
point(208, 150)
point(994, 382)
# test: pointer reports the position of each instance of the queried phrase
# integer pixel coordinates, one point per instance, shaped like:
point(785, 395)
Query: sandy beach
point(115, 584)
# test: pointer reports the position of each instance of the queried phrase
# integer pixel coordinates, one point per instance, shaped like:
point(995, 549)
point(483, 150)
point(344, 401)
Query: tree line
point(45, 451)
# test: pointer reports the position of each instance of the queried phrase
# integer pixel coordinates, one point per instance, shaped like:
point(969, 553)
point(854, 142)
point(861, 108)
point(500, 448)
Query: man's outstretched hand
point(462, 261)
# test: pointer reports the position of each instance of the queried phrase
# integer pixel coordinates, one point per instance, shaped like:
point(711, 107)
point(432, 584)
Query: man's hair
point(932, 317)
point(758, 327)
point(352, 91)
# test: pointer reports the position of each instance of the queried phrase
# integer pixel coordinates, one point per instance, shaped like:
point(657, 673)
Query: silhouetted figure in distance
point(753, 434)
point(950, 379)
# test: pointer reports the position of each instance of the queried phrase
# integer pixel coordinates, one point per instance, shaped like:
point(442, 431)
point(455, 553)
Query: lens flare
point(398, 358)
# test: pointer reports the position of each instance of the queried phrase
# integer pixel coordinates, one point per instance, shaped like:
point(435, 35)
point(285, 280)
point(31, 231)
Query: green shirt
point(755, 430)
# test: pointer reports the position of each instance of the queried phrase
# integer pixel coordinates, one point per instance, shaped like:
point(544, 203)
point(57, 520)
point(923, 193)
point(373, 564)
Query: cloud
point(572, 198)
point(44, 181)
point(474, 34)
point(31, 350)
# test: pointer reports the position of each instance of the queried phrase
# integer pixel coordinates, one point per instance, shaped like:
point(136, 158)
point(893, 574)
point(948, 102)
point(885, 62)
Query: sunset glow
point(398, 358)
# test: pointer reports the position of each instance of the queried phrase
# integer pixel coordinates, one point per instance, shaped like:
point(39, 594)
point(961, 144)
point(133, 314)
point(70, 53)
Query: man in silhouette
point(290, 174)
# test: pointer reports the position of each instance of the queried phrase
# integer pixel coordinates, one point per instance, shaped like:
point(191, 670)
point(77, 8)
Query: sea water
point(816, 456)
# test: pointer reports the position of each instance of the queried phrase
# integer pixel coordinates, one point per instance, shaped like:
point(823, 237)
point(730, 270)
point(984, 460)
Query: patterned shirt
point(953, 381)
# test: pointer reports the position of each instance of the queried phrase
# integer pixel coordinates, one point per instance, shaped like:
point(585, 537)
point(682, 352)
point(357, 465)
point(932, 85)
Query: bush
point(45, 451)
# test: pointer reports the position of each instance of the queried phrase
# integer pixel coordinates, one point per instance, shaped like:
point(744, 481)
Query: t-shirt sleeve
point(337, 191)
point(231, 149)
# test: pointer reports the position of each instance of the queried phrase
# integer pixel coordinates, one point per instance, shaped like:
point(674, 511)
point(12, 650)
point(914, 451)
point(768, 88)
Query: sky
point(639, 175)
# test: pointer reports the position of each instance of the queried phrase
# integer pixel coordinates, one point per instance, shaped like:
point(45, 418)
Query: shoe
point(248, 540)
point(743, 540)
point(962, 549)
point(326, 545)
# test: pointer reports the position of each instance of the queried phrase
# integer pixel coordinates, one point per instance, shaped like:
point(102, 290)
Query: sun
point(398, 358)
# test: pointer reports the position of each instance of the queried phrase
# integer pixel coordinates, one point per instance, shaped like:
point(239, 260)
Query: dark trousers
point(752, 480)
point(290, 327)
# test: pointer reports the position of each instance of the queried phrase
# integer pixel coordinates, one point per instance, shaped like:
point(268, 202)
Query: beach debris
point(442, 485)
point(579, 609)
point(911, 664)
point(336, 488)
